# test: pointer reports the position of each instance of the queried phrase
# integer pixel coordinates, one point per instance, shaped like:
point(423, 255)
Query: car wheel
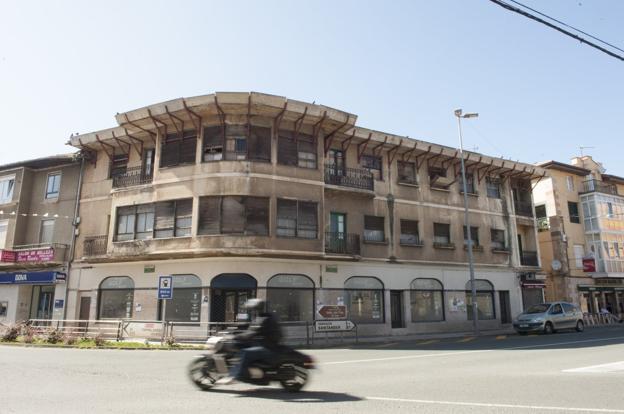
point(580, 326)
point(548, 328)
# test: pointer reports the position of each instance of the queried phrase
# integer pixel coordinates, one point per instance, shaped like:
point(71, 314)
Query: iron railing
point(523, 208)
point(132, 176)
point(342, 243)
point(529, 258)
point(349, 177)
point(95, 245)
point(590, 186)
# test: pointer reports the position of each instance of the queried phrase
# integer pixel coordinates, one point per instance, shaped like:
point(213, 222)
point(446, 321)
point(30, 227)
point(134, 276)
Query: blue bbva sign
point(32, 278)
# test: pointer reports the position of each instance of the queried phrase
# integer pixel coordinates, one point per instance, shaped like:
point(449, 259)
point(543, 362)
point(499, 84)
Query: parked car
point(549, 317)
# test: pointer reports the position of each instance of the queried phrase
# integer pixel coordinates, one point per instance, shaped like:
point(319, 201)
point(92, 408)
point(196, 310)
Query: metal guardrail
point(298, 332)
point(592, 319)
point(132, 176)
point(95, 245)
point(349, 177)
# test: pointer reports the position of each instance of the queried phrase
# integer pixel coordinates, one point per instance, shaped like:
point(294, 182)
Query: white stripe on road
point(494, 405)
point(477, 351)
point(603, 368)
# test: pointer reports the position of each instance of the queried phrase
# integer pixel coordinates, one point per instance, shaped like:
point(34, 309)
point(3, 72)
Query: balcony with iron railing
point(342, 243)
point(95, 246)
point(529, 258)
point(131, 177)
point(523, 208)
point(591, 186)
point(356, 178)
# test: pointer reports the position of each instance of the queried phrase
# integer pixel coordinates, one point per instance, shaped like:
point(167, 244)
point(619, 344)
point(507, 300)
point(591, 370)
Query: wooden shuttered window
point(241, 143)
point(407, 172)
point(299, 150)
point(209, 215)
point(173, 218)
point(287, 148)
point(374, 229)
point(297, 219)
point(234, 215)
point(259, 144)
point(164, 219)
point(178, 149)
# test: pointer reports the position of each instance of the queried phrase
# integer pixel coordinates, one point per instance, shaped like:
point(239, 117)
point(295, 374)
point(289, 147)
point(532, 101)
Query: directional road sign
point(333, 326)
point(333, 312)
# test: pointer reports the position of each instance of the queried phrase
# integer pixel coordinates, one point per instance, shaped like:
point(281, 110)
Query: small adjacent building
point(580, 213)
point(37, 202)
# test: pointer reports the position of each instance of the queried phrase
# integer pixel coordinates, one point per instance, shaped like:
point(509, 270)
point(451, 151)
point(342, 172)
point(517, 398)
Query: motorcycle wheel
point(294, 377)
point(200, 371)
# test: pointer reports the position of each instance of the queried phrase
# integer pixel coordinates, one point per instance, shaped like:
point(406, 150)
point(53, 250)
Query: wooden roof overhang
point(141, 126)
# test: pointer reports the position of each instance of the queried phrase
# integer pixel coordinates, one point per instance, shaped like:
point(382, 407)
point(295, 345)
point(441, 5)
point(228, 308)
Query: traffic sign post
point(165, 292)
point(165, 287)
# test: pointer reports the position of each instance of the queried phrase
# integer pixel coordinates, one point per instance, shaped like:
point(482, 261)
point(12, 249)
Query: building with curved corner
point(248, 194)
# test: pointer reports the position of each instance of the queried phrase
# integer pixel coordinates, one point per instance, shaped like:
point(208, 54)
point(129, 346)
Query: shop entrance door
point(42, 304)
point(229, 292)
point(396, 309)
point(505, 306)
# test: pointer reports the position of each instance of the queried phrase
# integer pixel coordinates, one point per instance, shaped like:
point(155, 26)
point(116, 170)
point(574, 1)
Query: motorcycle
point(290, 368)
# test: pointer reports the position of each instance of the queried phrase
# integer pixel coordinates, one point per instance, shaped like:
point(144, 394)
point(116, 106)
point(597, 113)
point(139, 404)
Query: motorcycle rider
point(264, 334)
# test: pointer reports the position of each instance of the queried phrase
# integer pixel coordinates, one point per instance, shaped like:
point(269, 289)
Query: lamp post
point(475, 317)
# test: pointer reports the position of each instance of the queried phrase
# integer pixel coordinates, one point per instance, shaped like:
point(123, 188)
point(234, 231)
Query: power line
point(557, 28)
point(566, 25)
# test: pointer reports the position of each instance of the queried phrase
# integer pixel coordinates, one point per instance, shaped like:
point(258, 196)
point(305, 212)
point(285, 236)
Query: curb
point(121, 348)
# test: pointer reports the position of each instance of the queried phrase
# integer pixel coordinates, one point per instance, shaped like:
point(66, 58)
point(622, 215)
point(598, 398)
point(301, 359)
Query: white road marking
point(477, 351)
point(495, 405)
point(603, 368)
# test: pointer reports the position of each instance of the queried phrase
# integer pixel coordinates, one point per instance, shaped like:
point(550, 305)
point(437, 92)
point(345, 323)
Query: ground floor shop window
point(427, 300)
point(485, 300)
point(364, 299)
point(291, 297)
point(185, 306)
point(116, 295)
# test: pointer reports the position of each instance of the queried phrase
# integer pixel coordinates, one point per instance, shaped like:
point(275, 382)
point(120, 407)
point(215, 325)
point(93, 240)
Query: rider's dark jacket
point(265, 330)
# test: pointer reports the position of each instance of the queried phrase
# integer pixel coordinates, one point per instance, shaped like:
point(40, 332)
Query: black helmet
point(254, 305)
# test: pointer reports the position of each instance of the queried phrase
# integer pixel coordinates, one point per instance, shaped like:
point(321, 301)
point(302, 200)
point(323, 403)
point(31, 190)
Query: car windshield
point(541, 308)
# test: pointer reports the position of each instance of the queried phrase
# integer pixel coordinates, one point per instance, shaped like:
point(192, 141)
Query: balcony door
point(336, 159)
point(337, 232)
point(148, 163)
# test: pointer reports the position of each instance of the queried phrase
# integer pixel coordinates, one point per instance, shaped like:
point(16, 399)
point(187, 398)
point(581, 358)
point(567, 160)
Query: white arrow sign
point(333, 326)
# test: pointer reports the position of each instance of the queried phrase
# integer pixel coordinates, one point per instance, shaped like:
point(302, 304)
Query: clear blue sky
point(401, 66)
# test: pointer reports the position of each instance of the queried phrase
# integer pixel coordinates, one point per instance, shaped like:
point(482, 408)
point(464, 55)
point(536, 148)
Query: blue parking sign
point(165, 287)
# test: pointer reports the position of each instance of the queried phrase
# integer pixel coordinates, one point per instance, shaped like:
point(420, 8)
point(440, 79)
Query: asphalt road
point(565, 372)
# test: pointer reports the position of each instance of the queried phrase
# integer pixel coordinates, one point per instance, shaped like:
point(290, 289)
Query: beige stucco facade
point(565, 237)
point(36, 220)
point(353, 193)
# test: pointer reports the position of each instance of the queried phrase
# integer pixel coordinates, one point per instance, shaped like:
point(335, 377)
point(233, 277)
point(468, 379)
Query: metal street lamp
point(475, 318)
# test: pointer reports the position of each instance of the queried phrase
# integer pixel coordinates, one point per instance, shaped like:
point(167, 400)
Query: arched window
point(364, 299)
point(116, 296)
point(229, 292)
point(291, 297)
point(485, 299)
point(185, 306)
point(427, 299)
